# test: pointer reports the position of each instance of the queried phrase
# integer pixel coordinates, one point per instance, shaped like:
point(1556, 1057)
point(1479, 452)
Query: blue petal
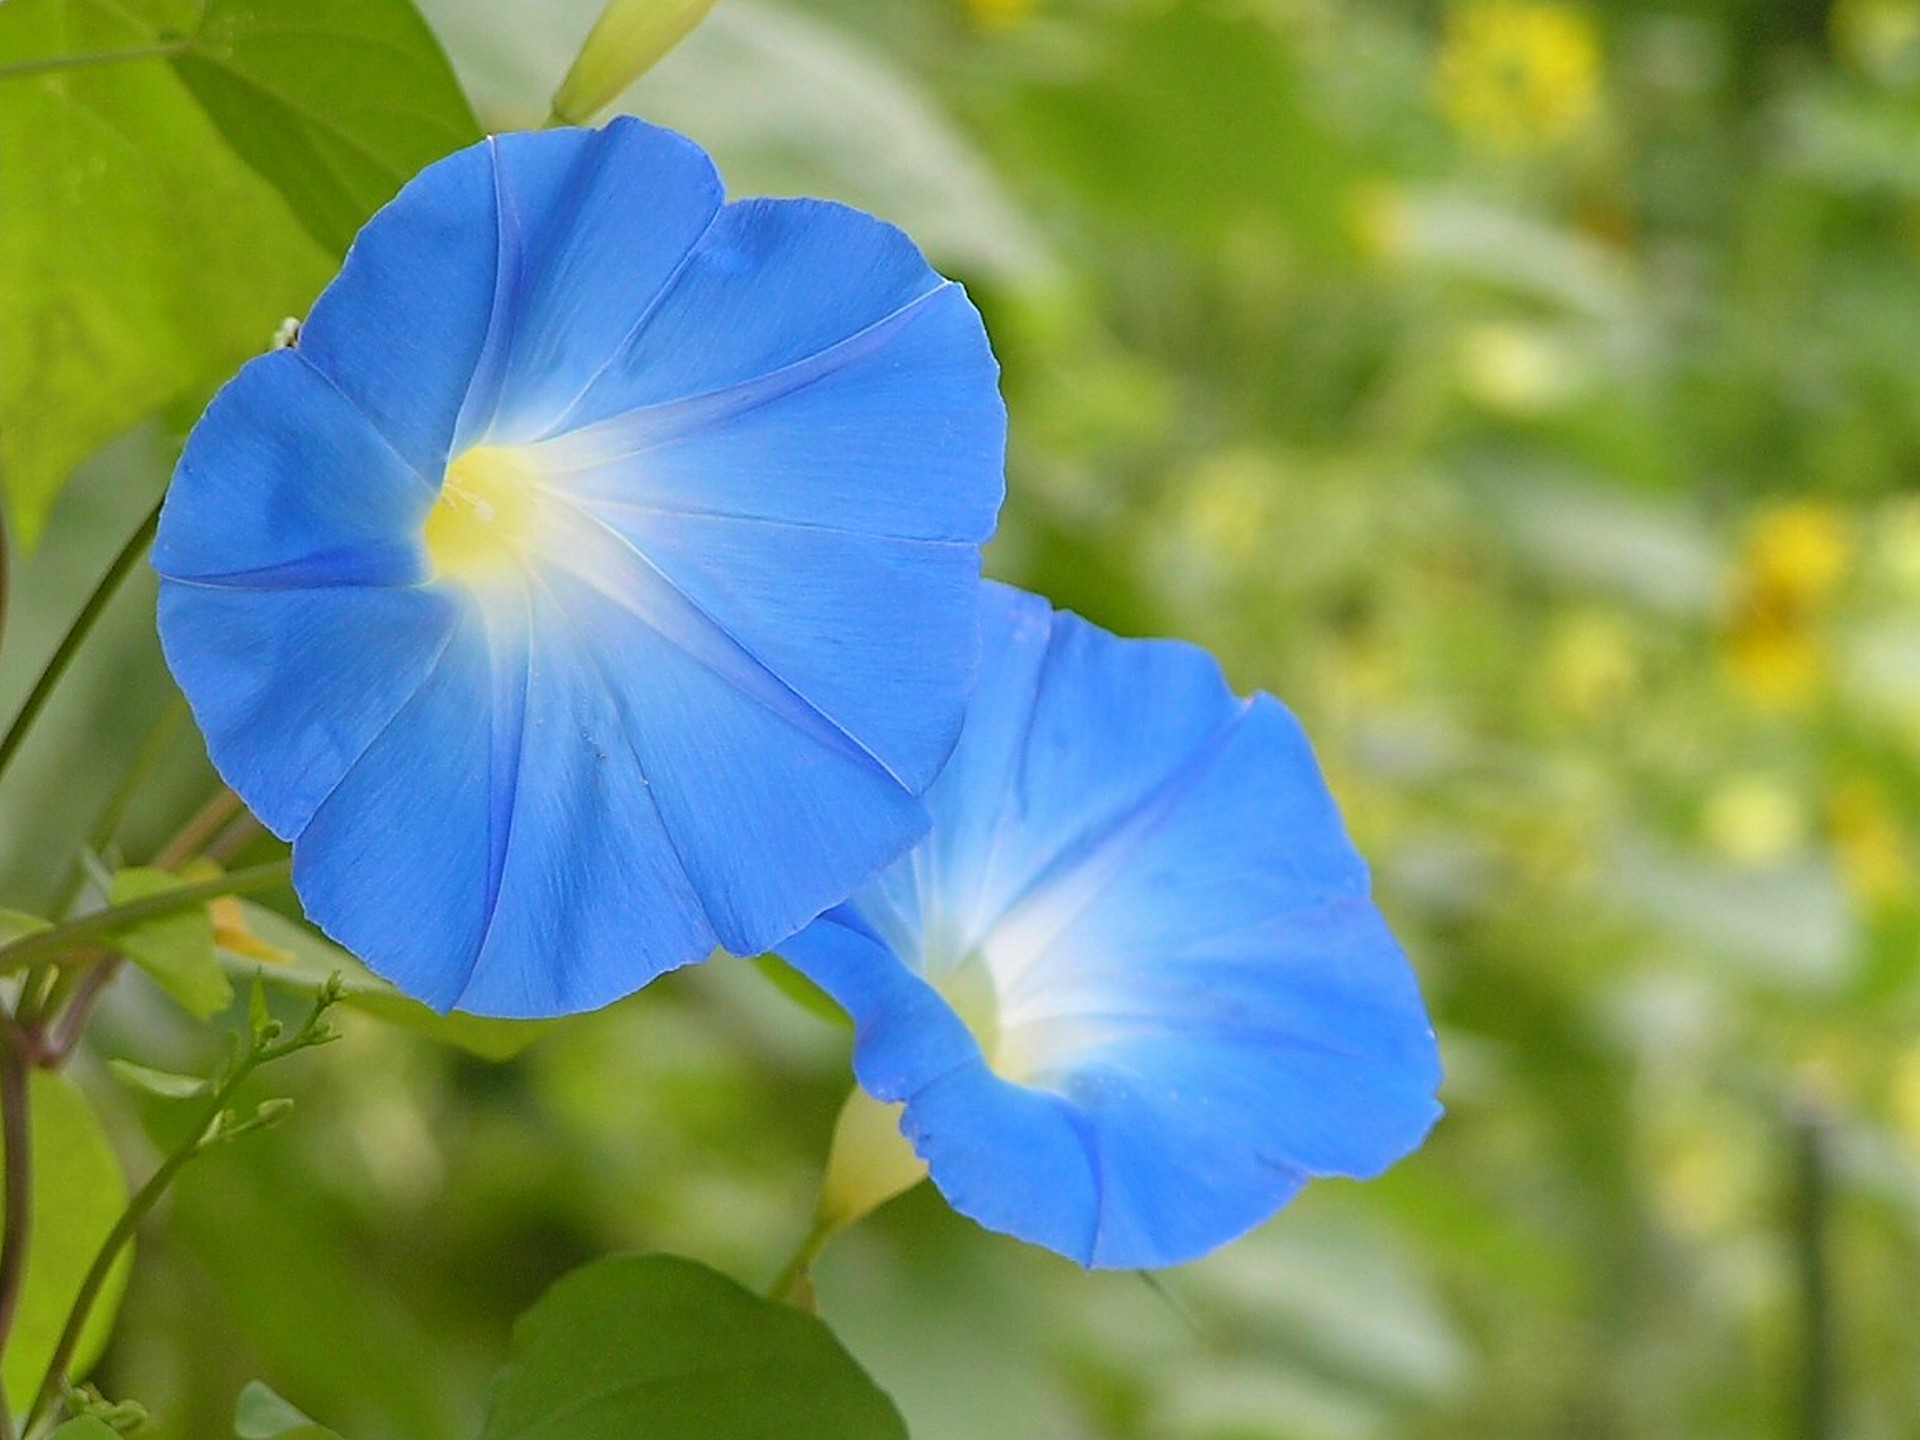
point(1192, 992)
point(401, 328)
point(399, 863)
point(876, 634)
point(591, 901)
point(284, 484)
point(291, 686)
point(775, 812)
point(1076, 729)
point(965, 1121)
point(551, 880)
point(593, 225)
point(894, 429)
point(772, 284)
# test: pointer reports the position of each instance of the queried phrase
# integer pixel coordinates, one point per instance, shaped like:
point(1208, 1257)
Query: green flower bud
point(629, 38)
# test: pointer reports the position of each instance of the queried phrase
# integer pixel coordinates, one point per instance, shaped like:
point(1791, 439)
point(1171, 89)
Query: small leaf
point(176, 950)
point(312, 959)
point(263, 1415)
point(17, 924)
point(159, 1082)
point(84, 1428)
point(78, 1194)
point(654, 1347)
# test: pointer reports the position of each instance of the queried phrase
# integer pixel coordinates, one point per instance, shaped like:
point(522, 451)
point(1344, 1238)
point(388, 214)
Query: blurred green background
point(1529, 394)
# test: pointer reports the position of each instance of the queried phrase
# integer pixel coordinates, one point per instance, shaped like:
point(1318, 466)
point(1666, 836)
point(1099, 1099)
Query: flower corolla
point(595, 580)
point(1131, 988)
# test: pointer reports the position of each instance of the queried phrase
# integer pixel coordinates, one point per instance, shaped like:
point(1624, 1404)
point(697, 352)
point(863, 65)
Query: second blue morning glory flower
point(595, 581)
point(1131, 988)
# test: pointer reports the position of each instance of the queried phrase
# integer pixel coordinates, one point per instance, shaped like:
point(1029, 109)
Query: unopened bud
point(629, 39)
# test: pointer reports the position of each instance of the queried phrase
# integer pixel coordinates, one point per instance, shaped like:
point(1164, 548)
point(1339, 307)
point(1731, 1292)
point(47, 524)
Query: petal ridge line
point(426, 676)
point(645, 318)
point(704, 639)
point(729, 402)
point(502, 811)
point(589, 647)
point(1088, 862)
point(386, 441)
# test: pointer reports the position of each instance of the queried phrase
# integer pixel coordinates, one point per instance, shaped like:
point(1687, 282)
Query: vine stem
point(16, 1231)
point(199, 832)
point(56, 940)
point(794, 1284)
point(205, 1131)
point(77, 632)
point(107, 823)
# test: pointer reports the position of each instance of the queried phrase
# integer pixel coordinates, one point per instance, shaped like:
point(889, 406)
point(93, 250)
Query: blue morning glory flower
point(596, 579)
point(1131, 988)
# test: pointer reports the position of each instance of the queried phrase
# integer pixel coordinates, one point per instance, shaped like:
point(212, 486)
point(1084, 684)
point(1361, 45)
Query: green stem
point(107, 823)
point(88, 59)
point(77, 632)
point(16, 1232)
point(6, 598)
point(58, 939)
point(793, 1285)
point(141, 1205)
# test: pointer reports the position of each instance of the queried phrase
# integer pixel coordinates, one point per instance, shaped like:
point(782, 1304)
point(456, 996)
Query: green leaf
point(78, 1194)
point(311, 958)
point(165, 1084)
point(146, 256)
point(263, 1415)
point(337, 105)
point(85, 1428)
point(654, 1347)
point(176, 950)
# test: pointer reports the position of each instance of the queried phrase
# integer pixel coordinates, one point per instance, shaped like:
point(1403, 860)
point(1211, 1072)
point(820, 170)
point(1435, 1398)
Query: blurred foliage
point(1526, 392)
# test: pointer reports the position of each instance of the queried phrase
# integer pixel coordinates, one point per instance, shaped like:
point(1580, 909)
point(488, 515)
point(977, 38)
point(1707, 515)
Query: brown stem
point(207, 822)
point(58, 1046)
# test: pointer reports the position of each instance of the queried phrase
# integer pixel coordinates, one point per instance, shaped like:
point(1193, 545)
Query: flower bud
point(629, 39)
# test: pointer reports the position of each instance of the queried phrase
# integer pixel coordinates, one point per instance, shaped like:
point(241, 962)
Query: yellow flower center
point(487, 517)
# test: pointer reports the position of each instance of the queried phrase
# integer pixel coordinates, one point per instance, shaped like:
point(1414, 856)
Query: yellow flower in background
point(1592, 664)
point(1518, 370)
point(1795, 558)
point(1870, 845)
point(1775, 666)
point(1754, 820)
point(1798, 553)
point(1520, 74)
point(998, 14)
